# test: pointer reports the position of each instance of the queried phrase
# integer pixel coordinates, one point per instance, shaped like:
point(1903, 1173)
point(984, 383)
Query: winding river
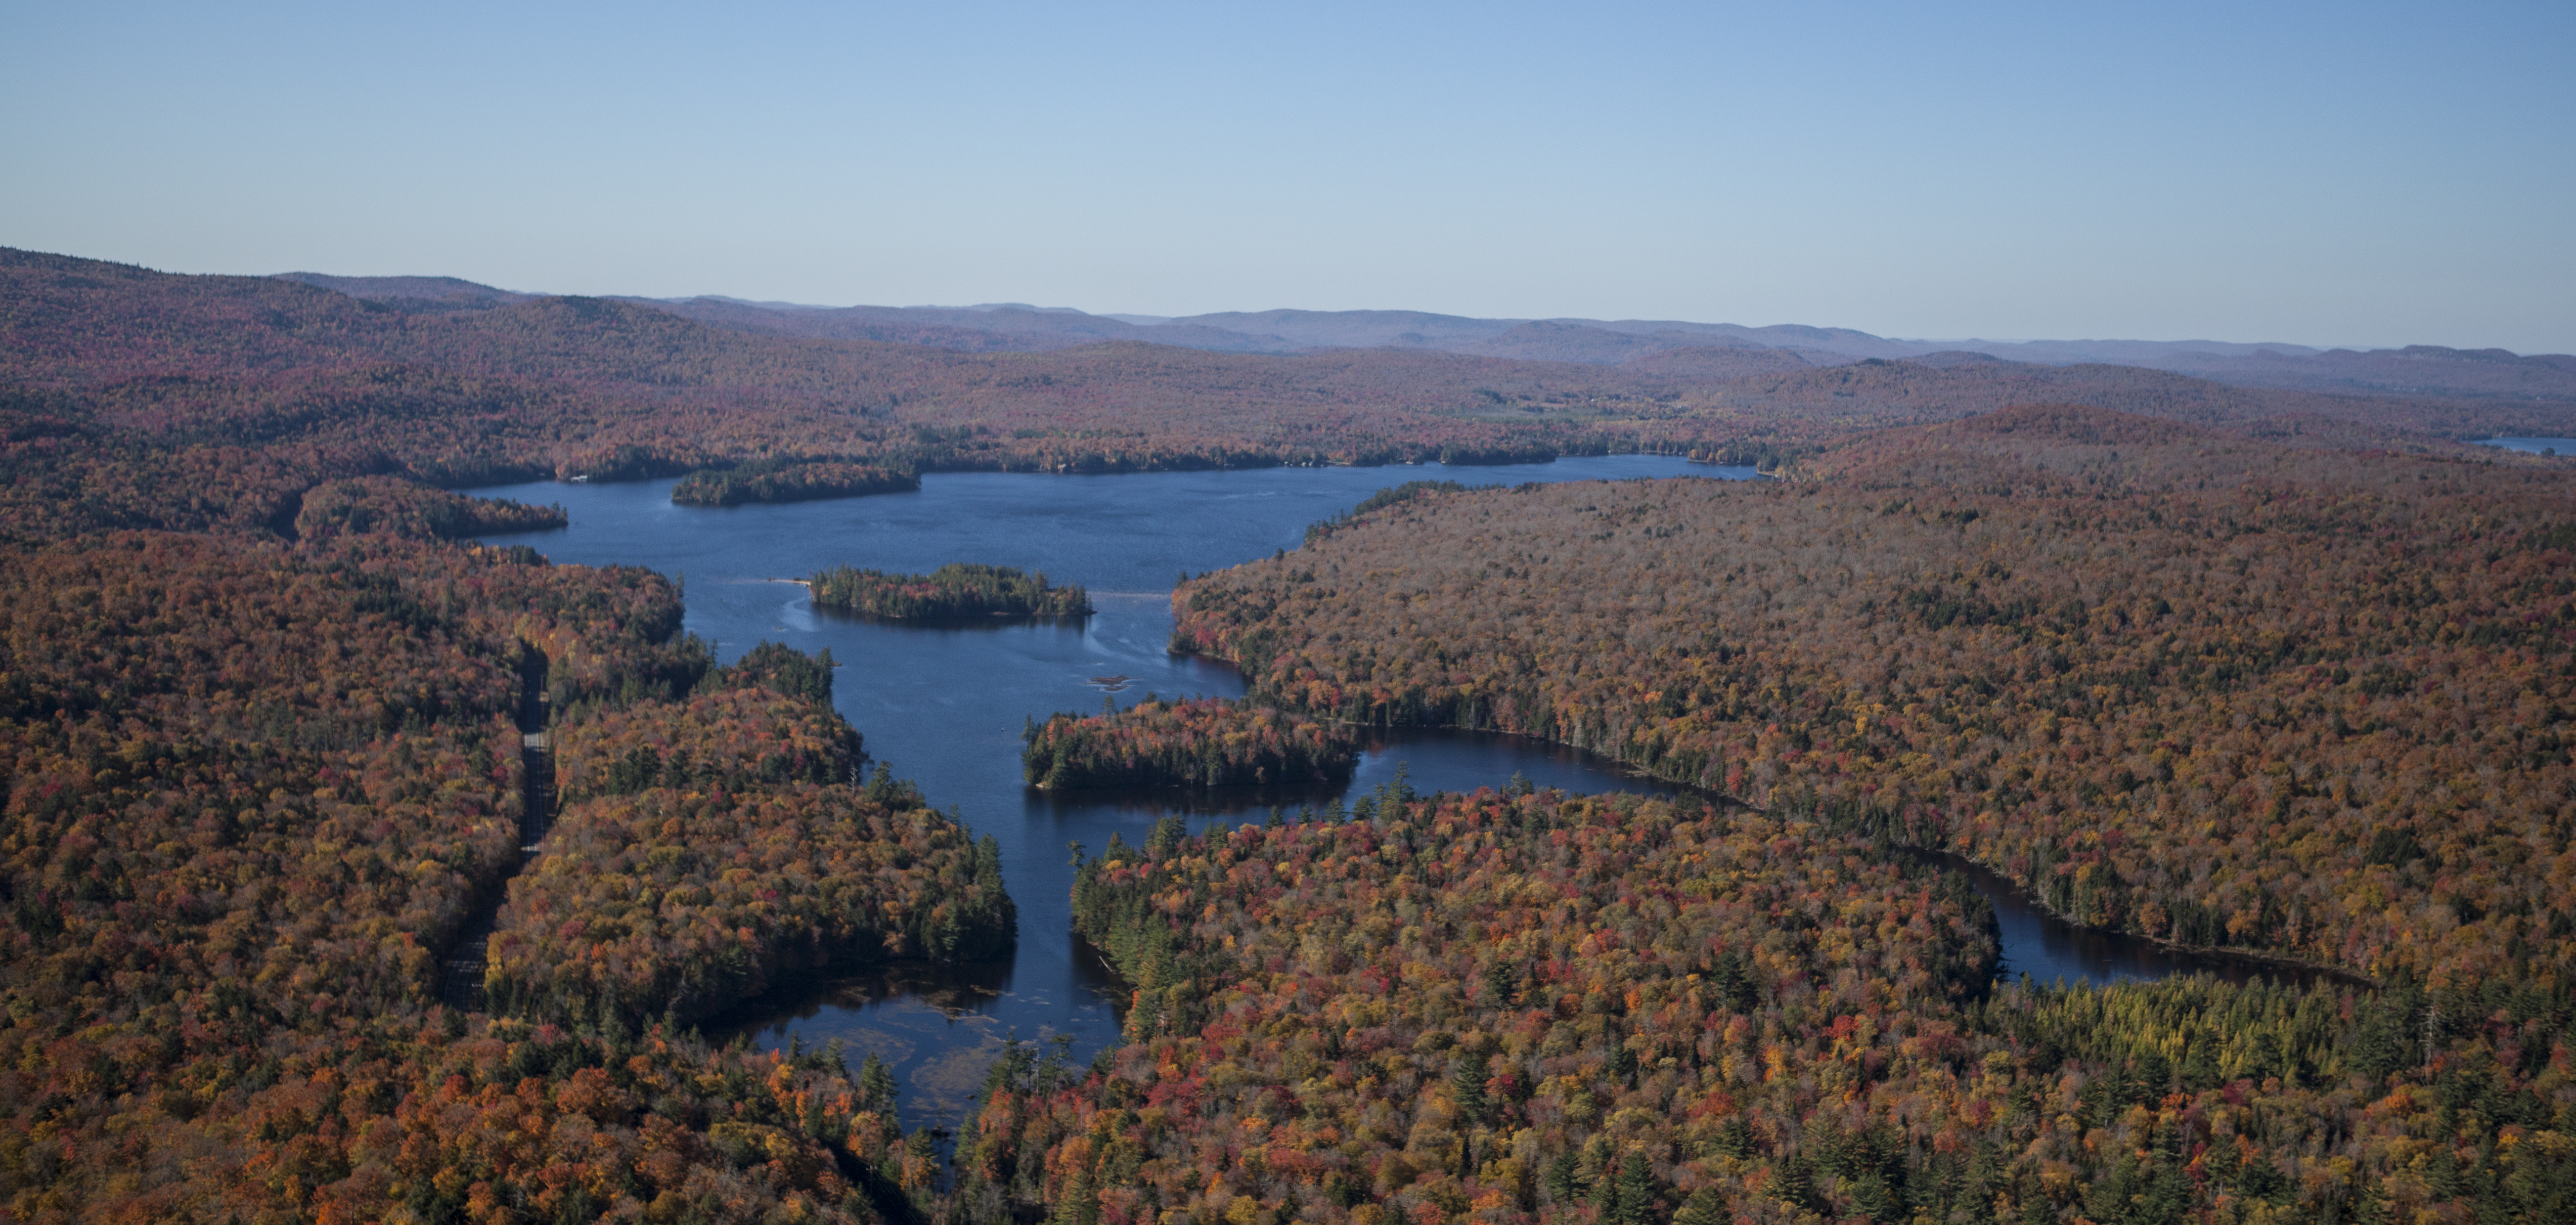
point(944, 707)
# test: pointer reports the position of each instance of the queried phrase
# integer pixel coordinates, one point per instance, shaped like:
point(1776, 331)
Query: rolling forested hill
point(616, 389)
point(255, 792)
point(2303, 703)
point(263, 756)
point(1535, 1007)
point(2224, 692)
point(2414, 370)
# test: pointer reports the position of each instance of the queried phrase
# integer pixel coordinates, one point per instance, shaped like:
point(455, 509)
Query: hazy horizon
point(2326, 176)
point(1158, 316)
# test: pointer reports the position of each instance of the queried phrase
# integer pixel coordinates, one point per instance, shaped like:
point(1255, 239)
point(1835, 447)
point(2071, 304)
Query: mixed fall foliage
point(956, 591)
point(319, 385)
point(1514, 1007)
point(2270, 671)
point(2222, 692)
point(1197, 742)
point(787, 480)
point(261, 775)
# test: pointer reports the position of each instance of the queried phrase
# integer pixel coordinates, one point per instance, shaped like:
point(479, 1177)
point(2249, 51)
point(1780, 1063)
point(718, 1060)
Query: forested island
point(787, 480)
point(1204, 742)
point(959, 591)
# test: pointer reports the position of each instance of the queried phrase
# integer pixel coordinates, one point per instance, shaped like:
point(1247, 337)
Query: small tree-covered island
point(788, 480)
point(954, 592)
point(1208, 742)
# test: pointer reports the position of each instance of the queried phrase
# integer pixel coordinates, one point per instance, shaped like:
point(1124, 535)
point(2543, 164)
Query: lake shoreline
point(2028, 898)
point(946, 704)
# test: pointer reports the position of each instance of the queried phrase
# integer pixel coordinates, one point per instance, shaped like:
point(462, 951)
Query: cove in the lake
point(945, 705)
point(2049, 949)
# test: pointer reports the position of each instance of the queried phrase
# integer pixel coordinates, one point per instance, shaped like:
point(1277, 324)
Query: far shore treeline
point(957, 591)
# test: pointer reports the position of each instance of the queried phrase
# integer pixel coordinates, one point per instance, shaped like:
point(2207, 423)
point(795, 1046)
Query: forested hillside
point(260, 775)
point(615, 389)
point(2415, 370)
point(2281, 673)
point(2221, 692)
point(712, 845)
point(1535, 1007)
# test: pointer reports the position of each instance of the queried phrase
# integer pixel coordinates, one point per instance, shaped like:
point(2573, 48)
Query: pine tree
point(1636, 1182)
point(877, 1084)
point(1467, 1087)
point(1705, 1207)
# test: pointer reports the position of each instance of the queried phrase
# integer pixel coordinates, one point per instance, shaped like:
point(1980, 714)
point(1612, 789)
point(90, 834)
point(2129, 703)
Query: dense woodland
point(257, 780)
point(389, 506)
point(332, 386)
point(954, 592)
point(1517, 1007)
point(709, 845)
point(2225, 693)
point(2277, 672)
point(1203, 742)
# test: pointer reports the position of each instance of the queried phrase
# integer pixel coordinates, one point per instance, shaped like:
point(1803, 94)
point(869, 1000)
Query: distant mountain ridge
point(454, 386)
point(1670, 346)
point(453, 292)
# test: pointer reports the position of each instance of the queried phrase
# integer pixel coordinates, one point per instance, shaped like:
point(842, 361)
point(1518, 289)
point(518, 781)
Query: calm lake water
point(945, 707)
point(2558, 446)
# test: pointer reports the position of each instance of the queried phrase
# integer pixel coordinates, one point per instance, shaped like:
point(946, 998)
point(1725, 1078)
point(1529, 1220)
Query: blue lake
point(2537, 446)
point(945, 707)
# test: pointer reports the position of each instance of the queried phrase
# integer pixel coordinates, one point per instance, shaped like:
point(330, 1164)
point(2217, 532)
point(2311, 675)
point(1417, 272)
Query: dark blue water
point(2051, 950)
point(945, 707)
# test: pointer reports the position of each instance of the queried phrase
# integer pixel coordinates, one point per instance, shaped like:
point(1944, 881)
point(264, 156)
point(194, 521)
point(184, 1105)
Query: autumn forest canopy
point(2278, 672)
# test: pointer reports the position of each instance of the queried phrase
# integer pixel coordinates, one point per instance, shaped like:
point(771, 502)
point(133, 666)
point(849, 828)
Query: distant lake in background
point(2537, 446)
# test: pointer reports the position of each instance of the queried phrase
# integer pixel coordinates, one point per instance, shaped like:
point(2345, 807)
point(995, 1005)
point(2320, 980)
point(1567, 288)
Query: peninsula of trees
point(2201, 688)
point(719, 842)
point(1545, 1008)
point(959, 591)
point(1204, 742)
point(260, 784)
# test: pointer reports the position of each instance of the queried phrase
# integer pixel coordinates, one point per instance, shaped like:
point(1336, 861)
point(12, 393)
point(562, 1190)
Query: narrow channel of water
point(945, 707)
point(2049, 949)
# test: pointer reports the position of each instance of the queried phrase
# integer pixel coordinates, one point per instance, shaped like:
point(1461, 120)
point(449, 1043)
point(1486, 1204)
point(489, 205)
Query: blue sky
point(2321, 174)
